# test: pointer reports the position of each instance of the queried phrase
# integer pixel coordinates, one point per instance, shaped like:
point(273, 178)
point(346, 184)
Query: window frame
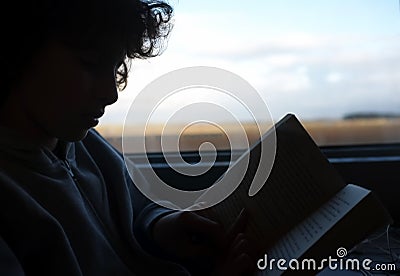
point(374, 166)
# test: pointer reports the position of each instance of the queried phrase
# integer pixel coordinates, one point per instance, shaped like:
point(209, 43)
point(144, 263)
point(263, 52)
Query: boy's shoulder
point(99, 148)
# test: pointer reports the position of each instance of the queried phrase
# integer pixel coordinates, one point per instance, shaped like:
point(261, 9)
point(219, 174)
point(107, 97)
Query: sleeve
point(145, 212)
point(9, 264)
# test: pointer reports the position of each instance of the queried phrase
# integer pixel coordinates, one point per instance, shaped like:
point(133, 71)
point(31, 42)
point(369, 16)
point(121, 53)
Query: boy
point(67, 204)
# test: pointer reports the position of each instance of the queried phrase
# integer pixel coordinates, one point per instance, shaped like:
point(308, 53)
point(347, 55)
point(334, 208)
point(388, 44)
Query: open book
point(304, 209)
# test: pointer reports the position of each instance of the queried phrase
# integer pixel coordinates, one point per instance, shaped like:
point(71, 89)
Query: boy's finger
point(205, 230)
point(238, 226)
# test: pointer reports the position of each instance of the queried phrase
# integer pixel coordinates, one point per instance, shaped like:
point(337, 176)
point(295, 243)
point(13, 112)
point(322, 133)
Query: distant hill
point(370, 115)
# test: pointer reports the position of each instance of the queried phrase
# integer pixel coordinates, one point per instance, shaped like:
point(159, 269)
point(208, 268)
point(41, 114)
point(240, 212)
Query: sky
point(318, 59)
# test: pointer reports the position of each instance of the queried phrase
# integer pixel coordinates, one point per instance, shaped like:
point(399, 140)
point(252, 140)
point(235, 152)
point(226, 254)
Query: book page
point(295, 243)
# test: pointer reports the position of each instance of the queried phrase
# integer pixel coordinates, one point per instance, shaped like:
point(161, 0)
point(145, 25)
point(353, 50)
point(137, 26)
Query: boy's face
point(67, 91)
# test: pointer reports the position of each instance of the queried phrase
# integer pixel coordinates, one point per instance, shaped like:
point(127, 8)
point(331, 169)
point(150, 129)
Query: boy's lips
point(95, 114)
point(91, 119)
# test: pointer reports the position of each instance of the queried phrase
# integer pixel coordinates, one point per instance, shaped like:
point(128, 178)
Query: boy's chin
point(75, 136)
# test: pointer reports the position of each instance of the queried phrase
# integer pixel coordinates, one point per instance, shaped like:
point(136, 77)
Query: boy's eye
point(91, 64)
point(99, 64)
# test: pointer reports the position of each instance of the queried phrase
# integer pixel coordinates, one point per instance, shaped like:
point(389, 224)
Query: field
point(324, 132)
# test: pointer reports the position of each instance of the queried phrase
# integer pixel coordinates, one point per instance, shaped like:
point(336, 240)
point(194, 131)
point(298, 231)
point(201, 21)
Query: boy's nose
point(106, 90)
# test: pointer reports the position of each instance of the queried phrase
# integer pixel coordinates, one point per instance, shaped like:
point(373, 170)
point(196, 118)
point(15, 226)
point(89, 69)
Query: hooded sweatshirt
point(73, 211)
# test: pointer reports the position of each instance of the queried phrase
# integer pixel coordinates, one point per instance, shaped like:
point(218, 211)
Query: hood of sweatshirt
point(19, 148)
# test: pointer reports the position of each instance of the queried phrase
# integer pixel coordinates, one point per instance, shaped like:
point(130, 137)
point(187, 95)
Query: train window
point(335, 64)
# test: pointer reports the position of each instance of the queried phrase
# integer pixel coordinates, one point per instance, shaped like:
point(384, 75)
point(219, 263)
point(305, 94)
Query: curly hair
point(139, 26)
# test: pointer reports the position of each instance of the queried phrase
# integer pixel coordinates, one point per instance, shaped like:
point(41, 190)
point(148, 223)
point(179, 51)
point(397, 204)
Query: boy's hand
point(240, 253)
point(203, 246)
point(189, 238)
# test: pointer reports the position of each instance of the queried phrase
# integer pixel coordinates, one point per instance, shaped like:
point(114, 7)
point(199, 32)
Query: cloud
point(335, 77)
point(311, 74)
